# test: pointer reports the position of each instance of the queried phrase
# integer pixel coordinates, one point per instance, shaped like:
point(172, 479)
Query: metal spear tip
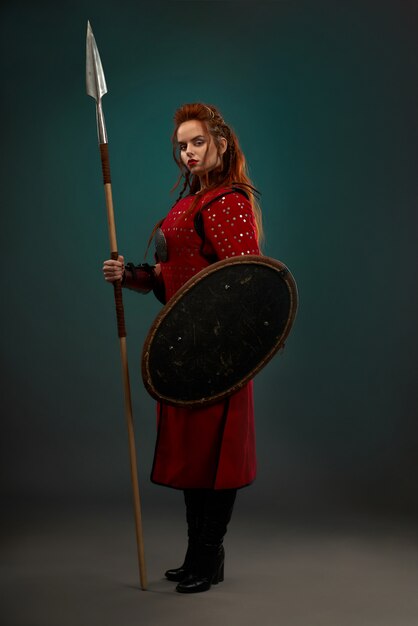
point(95, 79)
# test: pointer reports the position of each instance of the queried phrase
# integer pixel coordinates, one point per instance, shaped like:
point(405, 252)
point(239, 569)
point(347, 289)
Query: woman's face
point(197, 148)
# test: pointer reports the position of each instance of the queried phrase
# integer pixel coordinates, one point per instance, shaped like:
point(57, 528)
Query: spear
point(96, 88)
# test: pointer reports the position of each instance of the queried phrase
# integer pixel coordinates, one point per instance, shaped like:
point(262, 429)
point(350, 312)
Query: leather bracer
point(142, 278)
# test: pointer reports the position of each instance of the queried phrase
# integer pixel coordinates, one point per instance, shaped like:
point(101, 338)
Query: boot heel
point(219, 575)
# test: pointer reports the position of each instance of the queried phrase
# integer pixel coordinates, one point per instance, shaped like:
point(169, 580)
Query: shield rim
point(197, 278)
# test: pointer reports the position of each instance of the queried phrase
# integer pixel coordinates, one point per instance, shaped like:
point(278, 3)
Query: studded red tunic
point(209, 447)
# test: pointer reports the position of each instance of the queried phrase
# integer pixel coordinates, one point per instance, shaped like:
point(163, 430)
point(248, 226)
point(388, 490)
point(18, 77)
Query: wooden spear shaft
point(120, 316)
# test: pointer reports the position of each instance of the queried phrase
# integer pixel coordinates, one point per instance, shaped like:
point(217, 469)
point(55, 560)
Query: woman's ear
point(223, 144)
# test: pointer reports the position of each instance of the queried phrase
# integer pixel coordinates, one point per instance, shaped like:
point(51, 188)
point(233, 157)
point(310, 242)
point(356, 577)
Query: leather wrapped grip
point(104, 154)
point(120, 315)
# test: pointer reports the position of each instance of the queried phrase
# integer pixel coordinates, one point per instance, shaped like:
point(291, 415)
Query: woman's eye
point(197, 143)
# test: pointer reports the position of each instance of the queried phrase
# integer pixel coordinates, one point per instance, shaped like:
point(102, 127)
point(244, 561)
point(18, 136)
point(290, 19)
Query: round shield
point(219, 330)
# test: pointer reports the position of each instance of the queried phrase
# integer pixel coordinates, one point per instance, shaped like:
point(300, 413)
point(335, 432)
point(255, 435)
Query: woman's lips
point(192, 162)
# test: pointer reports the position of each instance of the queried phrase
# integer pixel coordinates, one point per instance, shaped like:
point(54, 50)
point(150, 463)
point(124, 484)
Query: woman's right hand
point(114, 270)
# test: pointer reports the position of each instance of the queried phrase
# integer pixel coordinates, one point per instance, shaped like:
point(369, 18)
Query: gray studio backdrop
point(323, 97)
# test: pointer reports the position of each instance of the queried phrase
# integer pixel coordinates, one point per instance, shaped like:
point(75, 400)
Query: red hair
point(233, 168)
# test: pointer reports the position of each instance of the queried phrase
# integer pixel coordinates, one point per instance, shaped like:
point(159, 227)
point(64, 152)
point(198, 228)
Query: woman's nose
point(189, 151)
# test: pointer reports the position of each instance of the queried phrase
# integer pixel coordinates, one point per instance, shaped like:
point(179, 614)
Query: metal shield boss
point(219, 330)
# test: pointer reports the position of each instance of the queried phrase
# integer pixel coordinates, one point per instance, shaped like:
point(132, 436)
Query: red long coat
point(209, 447)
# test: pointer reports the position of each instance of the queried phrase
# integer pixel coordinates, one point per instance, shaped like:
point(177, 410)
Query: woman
point(207, 452)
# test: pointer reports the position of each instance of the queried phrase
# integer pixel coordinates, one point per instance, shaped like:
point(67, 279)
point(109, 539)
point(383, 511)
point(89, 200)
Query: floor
point(80, 569)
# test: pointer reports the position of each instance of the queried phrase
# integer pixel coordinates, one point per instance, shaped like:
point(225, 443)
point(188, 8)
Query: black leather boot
point(208, 564)
point(179, 573)
point(194, 500)
point(208, 570)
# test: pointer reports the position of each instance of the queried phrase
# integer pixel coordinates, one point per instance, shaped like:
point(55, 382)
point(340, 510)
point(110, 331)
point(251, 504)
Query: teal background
point(323, 97)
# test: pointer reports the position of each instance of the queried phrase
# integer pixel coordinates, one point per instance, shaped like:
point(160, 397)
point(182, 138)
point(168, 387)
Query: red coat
point(214, 446)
